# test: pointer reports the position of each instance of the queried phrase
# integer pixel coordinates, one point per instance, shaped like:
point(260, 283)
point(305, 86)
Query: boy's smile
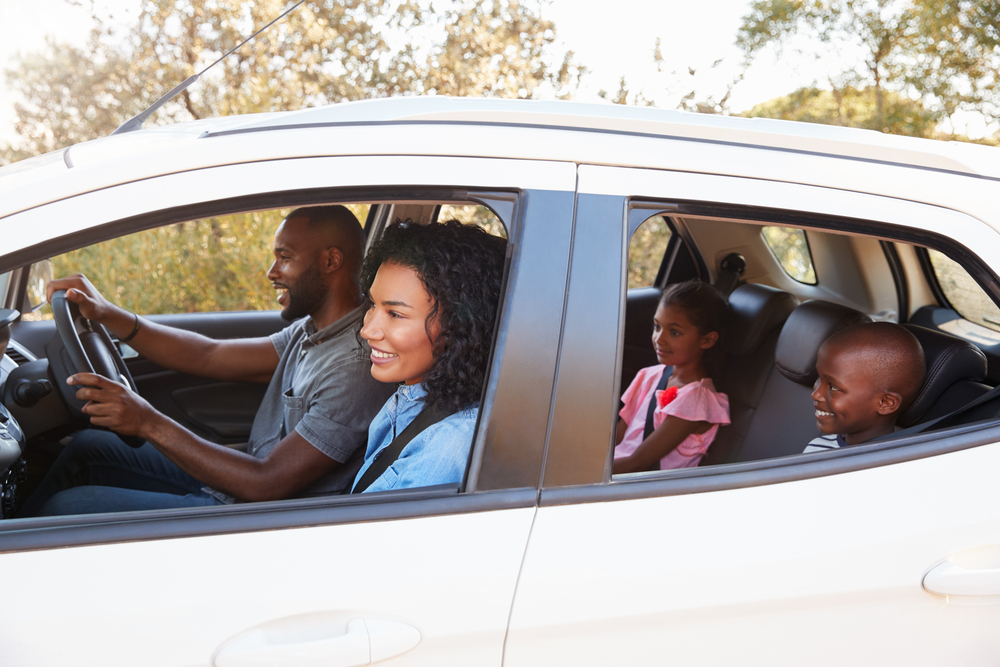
point(848, 398)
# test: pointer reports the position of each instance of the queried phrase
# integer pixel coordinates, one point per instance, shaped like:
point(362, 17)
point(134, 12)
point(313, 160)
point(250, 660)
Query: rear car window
point(964, 294)
point(791, 249)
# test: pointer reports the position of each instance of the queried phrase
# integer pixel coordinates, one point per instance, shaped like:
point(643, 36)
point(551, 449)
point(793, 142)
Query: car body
point(541, 557)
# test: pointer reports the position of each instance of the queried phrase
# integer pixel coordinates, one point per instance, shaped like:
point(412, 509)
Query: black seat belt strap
point(388, 456)
point(920, 428)
point(667, 372)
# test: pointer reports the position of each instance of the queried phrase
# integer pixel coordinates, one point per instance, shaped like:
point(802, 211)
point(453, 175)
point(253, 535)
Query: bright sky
point(610, 39)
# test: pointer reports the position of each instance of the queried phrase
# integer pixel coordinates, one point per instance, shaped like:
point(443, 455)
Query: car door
point(427, 575)
point(789, 561)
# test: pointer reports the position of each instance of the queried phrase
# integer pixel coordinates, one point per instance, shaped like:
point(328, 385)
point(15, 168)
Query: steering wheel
point(90, 350)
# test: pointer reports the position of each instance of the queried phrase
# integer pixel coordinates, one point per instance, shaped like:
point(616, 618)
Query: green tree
point(940, 54)
point(851, 107)
point(325, 51)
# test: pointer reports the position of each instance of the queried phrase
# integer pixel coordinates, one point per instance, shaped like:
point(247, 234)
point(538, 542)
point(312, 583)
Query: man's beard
point(306, 295)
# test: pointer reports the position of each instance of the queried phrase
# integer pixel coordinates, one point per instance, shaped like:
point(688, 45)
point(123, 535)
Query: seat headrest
point(948, 359)
point(756, 311)
point(807, 327)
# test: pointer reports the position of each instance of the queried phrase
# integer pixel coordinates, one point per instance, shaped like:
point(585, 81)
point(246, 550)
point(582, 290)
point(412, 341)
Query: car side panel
point(823, 571)
point(178, 601)
point(817, 568)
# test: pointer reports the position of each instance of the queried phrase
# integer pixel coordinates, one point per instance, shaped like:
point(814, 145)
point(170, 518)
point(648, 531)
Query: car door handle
point(366, 641)
point(947, 578)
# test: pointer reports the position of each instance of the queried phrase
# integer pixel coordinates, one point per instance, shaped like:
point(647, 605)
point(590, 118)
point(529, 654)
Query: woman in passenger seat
point(432, 293)
point(672, 411)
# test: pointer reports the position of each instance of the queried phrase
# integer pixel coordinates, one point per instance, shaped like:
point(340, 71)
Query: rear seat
point(955, 372)
point(770, 369)
point(783, 421)
point(757, 314)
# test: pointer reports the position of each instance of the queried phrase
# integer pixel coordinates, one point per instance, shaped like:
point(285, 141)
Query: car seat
point(757, 313)
point(955, 372)
point(784, 421)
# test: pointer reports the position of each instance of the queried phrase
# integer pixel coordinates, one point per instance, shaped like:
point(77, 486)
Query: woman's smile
point(396, 326)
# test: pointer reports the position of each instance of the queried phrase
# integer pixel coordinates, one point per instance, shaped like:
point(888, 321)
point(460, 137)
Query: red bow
point(664, 397)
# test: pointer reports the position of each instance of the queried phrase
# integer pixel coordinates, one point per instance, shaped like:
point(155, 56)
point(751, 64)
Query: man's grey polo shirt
point(323, 388)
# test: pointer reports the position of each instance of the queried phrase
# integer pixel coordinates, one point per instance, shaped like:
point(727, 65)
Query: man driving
point(312, 425)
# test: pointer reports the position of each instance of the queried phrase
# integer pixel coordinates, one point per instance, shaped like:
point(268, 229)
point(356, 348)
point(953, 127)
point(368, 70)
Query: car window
point(473, 214)
point(206, 265)
point(645, 251)
point(963, 293)
point(746, 424)
point(791, 249)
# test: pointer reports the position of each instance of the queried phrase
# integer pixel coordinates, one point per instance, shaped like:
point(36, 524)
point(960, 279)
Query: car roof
point(577, 132)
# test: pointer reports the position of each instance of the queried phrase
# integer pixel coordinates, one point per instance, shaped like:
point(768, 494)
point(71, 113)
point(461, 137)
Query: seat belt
point(388, 456)
point(667, 372)
point(920, 428)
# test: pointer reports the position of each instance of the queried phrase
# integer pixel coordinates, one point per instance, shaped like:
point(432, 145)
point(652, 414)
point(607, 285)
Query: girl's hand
point(665, 439)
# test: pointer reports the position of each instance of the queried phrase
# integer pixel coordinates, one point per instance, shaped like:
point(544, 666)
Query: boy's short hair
point(892, 352)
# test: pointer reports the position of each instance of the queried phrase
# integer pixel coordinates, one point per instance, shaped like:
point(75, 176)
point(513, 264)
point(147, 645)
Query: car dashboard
point(13, 468)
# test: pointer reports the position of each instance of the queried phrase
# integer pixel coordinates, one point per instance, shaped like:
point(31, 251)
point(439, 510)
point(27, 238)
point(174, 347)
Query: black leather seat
point(784, 420)
point(757, 313)
point(955, 372)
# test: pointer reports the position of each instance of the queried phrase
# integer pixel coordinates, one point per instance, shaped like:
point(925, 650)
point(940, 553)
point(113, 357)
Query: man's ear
point(331, 259)
point(709, 339)
point(889, 402)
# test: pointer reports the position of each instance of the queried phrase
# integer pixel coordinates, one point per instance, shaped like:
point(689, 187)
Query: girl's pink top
point(695, 401)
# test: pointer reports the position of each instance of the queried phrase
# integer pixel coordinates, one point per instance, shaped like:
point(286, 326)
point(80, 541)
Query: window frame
point(483, 488)
point(598, 488)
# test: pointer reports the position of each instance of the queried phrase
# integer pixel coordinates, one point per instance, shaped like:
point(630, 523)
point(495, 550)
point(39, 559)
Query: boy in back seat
point(868, 375)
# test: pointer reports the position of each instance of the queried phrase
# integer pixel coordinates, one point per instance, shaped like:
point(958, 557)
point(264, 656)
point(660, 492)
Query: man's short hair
point(340, 223)
point(891, 352)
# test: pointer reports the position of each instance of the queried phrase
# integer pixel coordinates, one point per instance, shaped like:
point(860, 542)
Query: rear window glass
point(963, 293)
point(791, 249)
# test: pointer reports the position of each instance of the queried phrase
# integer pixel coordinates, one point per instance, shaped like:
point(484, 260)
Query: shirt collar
point(315, 337)
point(412, 392)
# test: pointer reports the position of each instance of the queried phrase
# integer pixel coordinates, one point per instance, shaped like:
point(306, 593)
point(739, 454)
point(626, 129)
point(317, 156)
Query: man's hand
point(80, 291)
point(113, 405)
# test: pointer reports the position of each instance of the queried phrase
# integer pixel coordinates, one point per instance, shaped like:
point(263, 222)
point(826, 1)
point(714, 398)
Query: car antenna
point(135, 123)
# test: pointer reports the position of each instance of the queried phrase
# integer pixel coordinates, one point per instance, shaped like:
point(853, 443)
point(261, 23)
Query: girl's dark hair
point(461, 267)
point(708, 310)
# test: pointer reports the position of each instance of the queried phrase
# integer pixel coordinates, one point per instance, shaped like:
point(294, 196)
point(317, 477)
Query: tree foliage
point(941, 54)
point(850, 107)
point(325, 51)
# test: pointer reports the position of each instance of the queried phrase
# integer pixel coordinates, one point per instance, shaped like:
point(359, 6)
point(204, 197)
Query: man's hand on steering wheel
point(112, 405)
point(82, 292)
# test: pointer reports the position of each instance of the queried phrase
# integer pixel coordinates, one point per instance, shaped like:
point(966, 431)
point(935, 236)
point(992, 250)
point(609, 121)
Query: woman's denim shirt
point(437, 455)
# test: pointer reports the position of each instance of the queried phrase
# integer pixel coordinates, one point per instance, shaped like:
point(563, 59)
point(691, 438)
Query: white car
point(880, 554)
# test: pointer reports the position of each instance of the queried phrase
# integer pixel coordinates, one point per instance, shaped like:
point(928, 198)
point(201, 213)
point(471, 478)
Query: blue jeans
point(97, 472)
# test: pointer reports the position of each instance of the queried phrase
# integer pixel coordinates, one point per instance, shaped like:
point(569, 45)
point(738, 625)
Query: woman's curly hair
point(461, 267)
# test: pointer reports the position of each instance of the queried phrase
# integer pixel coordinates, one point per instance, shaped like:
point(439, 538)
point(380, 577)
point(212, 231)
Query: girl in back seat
point(672, 411)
